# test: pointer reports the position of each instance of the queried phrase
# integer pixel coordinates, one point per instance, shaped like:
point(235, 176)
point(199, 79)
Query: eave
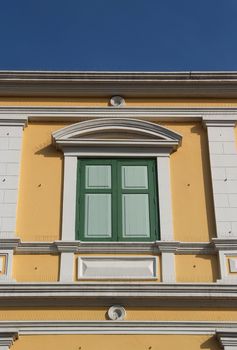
point(128, 84)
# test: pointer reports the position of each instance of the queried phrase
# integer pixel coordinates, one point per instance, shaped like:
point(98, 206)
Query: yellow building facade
point(118, 210)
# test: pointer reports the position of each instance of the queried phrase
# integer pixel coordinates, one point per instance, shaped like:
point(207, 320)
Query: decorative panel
point(117, 267)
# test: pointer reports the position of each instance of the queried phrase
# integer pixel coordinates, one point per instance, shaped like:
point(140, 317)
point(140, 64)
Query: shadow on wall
point(50, 151)
point(211, 344)
point(198, 129)
point(214, 266)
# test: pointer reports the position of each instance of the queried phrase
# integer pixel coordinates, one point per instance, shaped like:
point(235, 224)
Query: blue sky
point(134, 35)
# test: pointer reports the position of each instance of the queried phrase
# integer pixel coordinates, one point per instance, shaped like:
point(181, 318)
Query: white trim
point(226, 275)
point(227, 338)
point(117, 268)
point(164, 193)
point(7, 275)
point(7, 338)
point(69, 113)
point(168, 267)
point(66, 267)
point(134, 290)
point(159, 136)
point(69, 198)
point(118, 327)
point(115, 247)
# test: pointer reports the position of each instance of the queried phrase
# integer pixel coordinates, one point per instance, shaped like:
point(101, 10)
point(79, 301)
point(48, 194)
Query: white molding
point(7, 275)
point(85, 134)
point(7, 337)
point(226, 244)
point(117, 268)
point(119, 327)
point(127, 84)
point(69, 198)
point(165, 199)
point(168, 267)
point(156, 247)
point(185, 292)
point(227, 338)
point(226, 275)
point(66, 267)
point(73, 114)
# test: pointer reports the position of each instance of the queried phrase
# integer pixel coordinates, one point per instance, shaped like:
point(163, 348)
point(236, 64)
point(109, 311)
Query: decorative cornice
point(7, 336)
point(225, 243)
point(108, 247)
point(227, 337)
point(69, 113)
point(122, 290)
point(13, 120)
point(86, 134)
point(126, 84)
point(119, 327)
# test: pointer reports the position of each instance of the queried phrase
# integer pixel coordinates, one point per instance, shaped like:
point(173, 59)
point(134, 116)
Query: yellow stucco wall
point(45, 268)
point(40, 189)
point(103, 102)
point(153, 313)
point(193, 211)
point(196, 268)
point(40, 195)
point(116, 342)
point(36, 268)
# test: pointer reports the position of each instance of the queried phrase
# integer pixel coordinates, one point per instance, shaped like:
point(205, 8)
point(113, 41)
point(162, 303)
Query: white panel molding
point(226, 275)
point(7, 261)
point(66, 267)
point(129, 267)
point(7, 337)
point(221, 328)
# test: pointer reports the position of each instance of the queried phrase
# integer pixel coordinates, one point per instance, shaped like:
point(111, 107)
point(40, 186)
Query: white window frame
point(147, 140)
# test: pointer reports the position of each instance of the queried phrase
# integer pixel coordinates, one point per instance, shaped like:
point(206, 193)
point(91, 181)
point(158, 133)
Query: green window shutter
point(117, 200)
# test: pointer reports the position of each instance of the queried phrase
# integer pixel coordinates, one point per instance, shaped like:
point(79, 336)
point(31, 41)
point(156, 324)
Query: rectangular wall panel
point(117, 267)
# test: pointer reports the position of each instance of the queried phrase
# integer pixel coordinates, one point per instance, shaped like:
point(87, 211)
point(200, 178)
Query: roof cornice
point(128, 84)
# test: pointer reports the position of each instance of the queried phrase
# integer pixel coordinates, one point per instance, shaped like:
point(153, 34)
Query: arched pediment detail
point(114, 131)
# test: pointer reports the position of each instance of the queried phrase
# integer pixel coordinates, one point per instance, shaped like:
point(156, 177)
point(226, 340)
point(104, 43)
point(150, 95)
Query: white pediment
point(114, 131)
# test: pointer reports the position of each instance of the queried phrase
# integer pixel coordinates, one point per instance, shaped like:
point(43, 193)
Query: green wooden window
point(117, 200)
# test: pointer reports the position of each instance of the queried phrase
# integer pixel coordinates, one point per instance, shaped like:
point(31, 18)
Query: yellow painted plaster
point(40, 196)
point(104, 101)
point(36, 268)
point(153, 313)
point(116, 342)
point(196, 268)
point(193, 211)
point(40, 193)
